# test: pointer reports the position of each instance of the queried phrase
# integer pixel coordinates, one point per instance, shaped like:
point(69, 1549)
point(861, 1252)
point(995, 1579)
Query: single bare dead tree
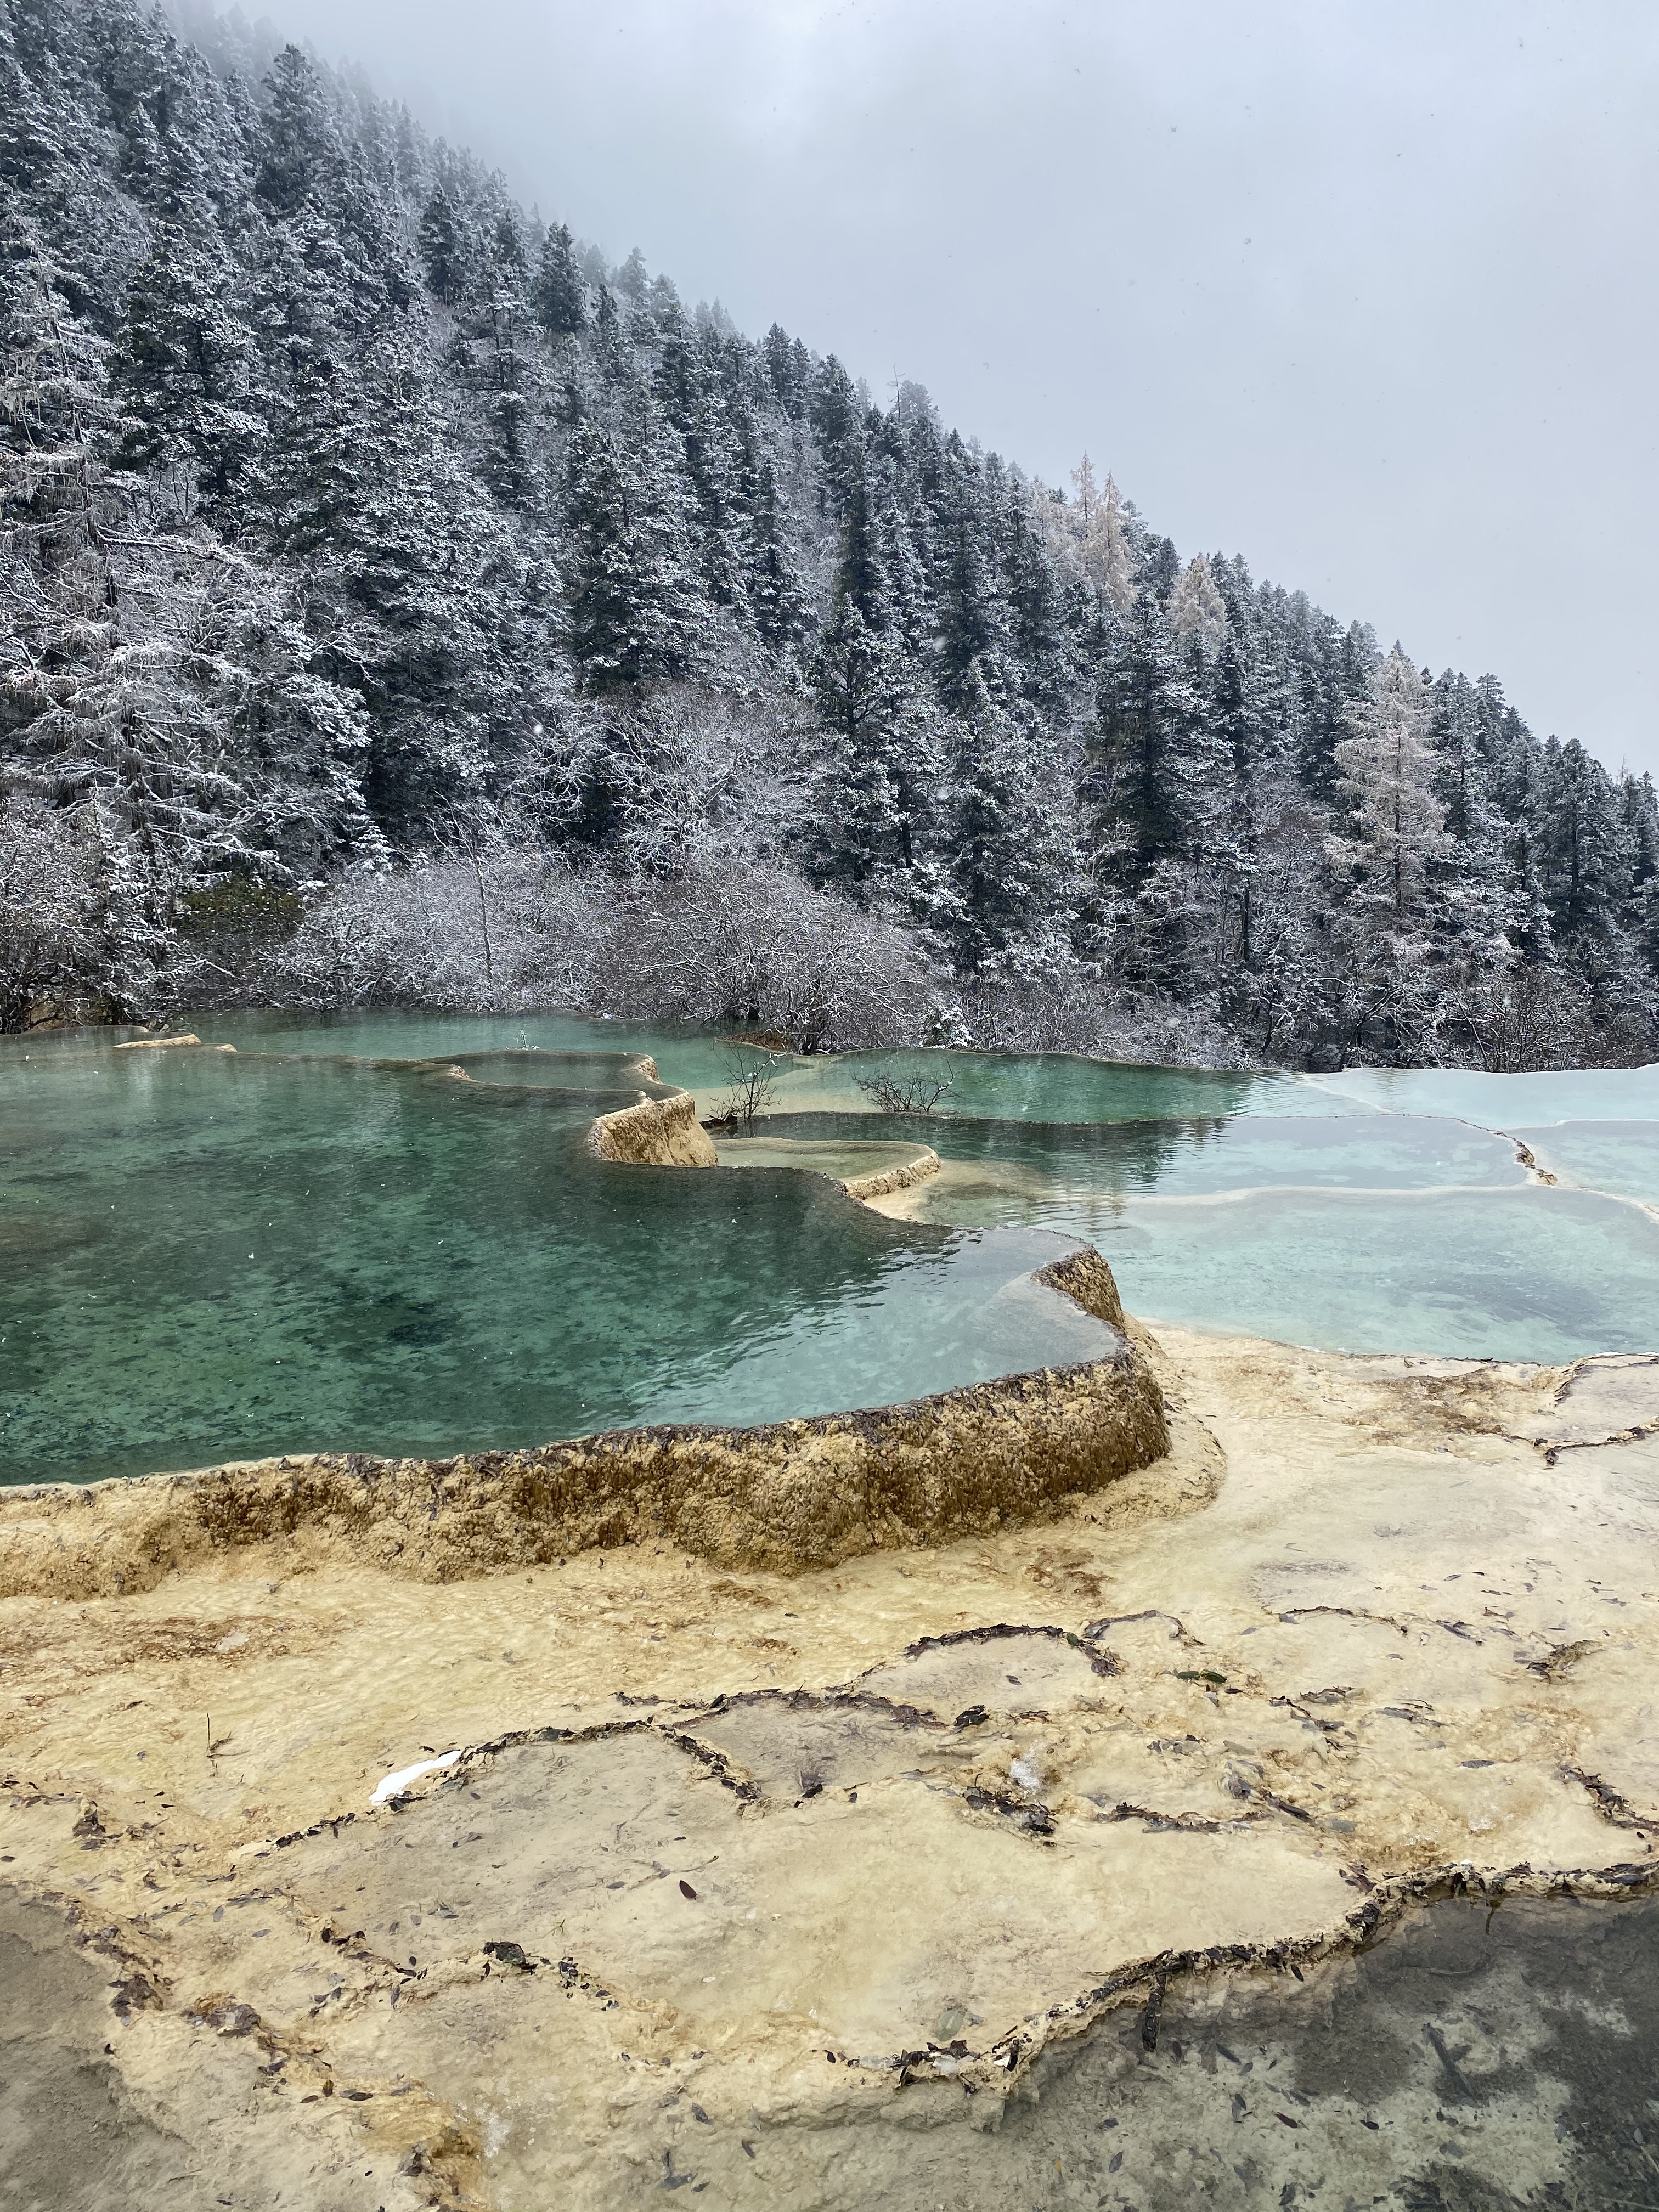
point(752, 1074)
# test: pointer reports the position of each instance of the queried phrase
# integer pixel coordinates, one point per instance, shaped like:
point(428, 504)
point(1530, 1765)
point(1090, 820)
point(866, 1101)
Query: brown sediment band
point(657, 1133)
point(787, 1496)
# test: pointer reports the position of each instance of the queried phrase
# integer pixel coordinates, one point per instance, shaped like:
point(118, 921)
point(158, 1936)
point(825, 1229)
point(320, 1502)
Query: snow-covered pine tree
point(1395, 826)
point(345, 511)
point(1011, 875)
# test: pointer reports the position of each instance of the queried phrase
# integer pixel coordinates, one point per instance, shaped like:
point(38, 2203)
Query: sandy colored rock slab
point(1603, 1400)
point(832, 1864)
point(657, 1133)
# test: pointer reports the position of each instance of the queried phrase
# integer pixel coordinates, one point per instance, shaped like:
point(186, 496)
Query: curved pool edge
point(785, 1496)
point(886, 1182)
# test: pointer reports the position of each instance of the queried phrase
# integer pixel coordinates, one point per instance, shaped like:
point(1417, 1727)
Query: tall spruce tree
point(1148, 755)
point(630, 567)
point(560, 294)
point(1010, 876)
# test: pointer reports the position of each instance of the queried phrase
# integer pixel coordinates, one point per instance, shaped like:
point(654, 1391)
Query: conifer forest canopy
point(401, 604)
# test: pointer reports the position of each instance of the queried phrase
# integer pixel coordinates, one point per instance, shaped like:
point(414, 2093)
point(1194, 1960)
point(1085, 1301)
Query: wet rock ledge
point(787, 1496)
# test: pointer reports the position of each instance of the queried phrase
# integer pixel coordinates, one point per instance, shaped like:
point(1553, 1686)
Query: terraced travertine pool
point(331, 1237)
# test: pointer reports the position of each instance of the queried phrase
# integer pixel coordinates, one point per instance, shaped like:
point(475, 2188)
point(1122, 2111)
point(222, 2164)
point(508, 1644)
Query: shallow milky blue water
point(329, 1239)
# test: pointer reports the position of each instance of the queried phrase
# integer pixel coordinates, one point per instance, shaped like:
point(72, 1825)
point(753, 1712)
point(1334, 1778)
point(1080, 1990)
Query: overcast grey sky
point(1361, 289)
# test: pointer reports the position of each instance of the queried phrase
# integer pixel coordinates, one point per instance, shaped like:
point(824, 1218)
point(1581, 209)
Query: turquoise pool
point(331, 1237)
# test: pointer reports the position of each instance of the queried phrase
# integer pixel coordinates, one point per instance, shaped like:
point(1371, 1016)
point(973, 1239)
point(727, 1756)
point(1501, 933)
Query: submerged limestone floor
point(893, 1885)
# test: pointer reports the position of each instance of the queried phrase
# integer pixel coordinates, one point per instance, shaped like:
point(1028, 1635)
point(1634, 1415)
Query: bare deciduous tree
point(741, 941)
point(46, 943)
point(896, 1095)
point(751, 1074)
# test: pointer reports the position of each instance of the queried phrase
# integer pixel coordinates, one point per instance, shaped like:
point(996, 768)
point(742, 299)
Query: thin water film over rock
point(1475, 2060)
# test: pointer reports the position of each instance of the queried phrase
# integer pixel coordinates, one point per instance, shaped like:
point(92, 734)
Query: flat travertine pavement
point(781, 1887)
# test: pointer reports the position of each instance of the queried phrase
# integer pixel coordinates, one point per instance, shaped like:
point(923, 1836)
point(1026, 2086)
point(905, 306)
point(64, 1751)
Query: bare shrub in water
point(751, 1072)
point(917, 1096)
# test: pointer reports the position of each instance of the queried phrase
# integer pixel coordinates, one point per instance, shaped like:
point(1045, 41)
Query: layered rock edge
point(785, 1496)
point(739, 1880)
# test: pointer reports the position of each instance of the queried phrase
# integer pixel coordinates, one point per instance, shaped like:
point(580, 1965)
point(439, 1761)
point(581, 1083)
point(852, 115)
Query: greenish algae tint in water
point(1007, 1086)
point(207, 1255)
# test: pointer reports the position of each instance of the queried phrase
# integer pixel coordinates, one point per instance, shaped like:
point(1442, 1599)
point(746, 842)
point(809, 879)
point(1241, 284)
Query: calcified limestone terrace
point(786, 1495)
point(957, 1802)
point(1372, 1628)
point(657, 1133)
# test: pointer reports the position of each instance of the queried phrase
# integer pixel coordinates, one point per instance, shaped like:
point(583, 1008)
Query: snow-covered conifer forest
point(398, 603)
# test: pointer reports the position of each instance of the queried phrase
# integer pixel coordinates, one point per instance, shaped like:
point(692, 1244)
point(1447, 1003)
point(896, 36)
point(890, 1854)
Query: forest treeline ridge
point(397, 596)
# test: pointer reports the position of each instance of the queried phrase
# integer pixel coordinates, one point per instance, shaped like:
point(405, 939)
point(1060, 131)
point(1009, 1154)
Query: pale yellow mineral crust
point(796, 1862)
point(657, 1133)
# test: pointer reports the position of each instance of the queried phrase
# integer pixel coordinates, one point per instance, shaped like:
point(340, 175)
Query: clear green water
point(1048, 1087)
point(1039, 1086)
point(206, 1257)
point(330, 1238)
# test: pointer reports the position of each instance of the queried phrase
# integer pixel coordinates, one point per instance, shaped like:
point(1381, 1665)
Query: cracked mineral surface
point(1272, 1827)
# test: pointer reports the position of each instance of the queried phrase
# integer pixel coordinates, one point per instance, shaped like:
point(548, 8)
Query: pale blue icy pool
point(1622, 1157)
point(385, 1232)
point(1533, 1273)
point(1580, 1094)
